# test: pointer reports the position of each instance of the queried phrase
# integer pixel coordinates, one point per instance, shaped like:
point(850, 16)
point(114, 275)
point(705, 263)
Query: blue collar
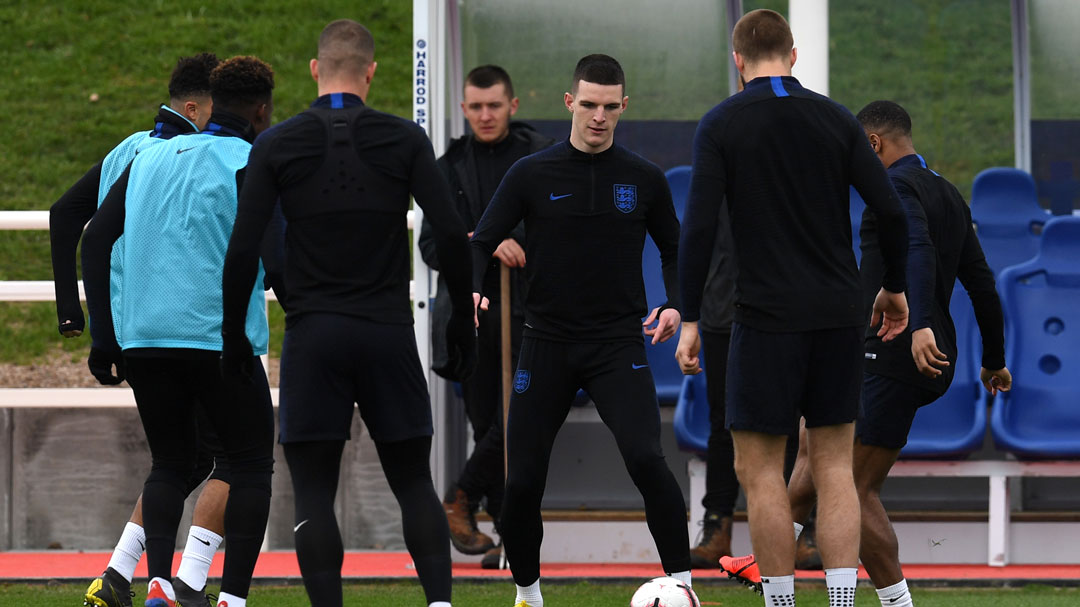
point(781, 85)
point(912, 159)
point(170, 123)
point(338, 101)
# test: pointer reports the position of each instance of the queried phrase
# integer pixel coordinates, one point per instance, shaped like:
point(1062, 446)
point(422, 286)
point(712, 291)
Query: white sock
point(682, 576)
point(798, 531)
point(530, 594)
point(779, 590)
point(439, 604)
point(198, 554)
point(128, 550)
point(227, 600)
point(841, 584)
point(166, 587)
point(896, 595)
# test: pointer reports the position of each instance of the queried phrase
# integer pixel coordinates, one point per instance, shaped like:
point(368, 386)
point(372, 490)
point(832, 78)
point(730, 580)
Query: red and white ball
point(664, 592)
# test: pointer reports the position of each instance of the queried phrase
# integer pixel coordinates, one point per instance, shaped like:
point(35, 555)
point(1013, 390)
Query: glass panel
point(1055, 111)
point(675, 55)
point(948, 62)
point(1055, 59)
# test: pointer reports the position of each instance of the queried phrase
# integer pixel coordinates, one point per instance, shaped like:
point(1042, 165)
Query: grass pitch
point(582, 594)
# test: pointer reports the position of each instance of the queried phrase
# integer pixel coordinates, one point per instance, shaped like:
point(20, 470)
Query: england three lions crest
point(521, 381)
point(625, 197)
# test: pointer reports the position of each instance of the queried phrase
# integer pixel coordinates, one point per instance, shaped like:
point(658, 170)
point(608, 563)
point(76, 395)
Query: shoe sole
point(156, 603)
point(90, 600)
point(755, 586)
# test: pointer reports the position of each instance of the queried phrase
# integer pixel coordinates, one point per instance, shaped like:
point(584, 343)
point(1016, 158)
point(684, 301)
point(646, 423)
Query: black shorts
point(887, 409)
point(774, 378)
point(330, 361)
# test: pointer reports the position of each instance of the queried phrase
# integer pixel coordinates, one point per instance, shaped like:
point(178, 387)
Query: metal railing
point(43, 291)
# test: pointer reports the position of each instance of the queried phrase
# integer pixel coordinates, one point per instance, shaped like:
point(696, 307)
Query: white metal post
point(695, 471)
point(999, 521)
point(809, 21)
point(1021, 50)
point(429, 111)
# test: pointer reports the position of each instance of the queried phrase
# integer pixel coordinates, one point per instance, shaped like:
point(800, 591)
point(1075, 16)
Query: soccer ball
point(664, 592)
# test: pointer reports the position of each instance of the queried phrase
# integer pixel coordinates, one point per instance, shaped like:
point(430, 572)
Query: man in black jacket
point(474, 165)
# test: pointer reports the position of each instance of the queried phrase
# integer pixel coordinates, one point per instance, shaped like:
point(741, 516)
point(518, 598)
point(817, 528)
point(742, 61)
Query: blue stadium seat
point(692, 415)
point(661, 357)
point(856, 209)
point(1040, 417)
point(1007, 216)
point(955, 424)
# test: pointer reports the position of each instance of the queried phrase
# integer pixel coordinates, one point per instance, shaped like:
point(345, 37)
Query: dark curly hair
point(885, 118)
point(191, 76)
point(241, 81)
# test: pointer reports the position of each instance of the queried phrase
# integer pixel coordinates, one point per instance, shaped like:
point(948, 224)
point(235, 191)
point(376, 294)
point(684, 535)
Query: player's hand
point(688, 349)
point(667, 323)
point(479, 303)
point(460, 346)
point(237, 357)
point(996, 381)
point(72, 328)
point(891, 312)
point(510, 253)
point(101, 364)
point(924, 350)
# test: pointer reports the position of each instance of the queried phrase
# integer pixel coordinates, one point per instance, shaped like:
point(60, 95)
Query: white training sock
point(166, 587)
point(227, 600)
point(841, 584)
point(896, 595)
point(128, 550)
point(198, 554)
point(779, 590)
point(530, 594)
point(798, 531)
point(439, 604)
point(682, 576)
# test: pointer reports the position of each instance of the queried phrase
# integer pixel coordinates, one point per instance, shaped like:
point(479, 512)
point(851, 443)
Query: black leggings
point(167, 392)
point(617, 378)
point(315, 466)
point(483, 475)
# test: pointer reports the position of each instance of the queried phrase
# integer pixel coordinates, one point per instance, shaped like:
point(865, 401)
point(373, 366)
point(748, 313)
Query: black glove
point(101, 363)
point(73, 327)
point(237, 358)
point(460, 347)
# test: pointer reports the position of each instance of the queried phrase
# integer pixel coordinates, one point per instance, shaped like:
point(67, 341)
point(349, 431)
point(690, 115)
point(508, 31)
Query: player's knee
point(176, 477)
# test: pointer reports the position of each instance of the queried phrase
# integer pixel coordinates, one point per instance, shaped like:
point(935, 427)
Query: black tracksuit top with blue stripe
point(954, 253)
point(783, 157)
point(585, 217)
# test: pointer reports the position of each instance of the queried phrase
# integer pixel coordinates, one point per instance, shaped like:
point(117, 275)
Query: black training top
point(585, 216)
point(347, 239)
point(68, 217)
point(782, 157)
point(957, 255)
point(718, 299)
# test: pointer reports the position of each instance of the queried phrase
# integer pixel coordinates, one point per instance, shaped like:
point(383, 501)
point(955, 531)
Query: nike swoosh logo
point(299, 525)
point(633, 366)
point(142, 546)
point(202, 540)
point(181, 151)
point(552, 196)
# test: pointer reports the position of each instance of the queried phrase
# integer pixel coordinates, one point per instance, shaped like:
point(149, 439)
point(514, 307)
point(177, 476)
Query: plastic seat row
point(1037, 260)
